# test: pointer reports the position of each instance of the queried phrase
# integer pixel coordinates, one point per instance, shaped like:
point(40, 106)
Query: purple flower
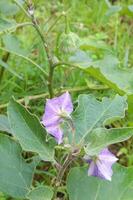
point(101, 166)
point(56, 110)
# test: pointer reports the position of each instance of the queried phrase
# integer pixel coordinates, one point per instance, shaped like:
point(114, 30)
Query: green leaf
point(8, 8)
point(13, 44)
point(100, 138)
point(80, 186)
point(92, 113)
point(81, 58)
point(30, 133)
point(41, 193)
point(15, 174)
point(6, 24)
point(109, 71)
point(4, 124)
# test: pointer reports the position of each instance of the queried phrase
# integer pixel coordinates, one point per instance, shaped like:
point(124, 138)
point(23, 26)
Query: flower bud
point(68, 43)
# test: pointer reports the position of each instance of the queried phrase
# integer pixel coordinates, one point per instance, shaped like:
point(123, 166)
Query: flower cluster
point(60, 108)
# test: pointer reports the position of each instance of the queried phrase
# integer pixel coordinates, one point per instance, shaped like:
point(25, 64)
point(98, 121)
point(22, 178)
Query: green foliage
point(91, 113)
point(100, 138)
point(16, 175)
point(29, 132)
point(5, 24)
point(40, 193)
point(80, 186)
point(4, 124)
point(8, 8)
point(13, 44)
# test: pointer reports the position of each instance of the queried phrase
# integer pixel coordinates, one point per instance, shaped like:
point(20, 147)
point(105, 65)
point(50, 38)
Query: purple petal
point(105, 170)
point(66, 103)
point(56, 131)
point(100, 170)
point(101, 167)
point(107, 157)
point(52, 116)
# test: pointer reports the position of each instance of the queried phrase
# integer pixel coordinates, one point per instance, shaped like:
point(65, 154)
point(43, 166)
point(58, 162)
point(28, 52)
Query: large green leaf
point(100, 138)
point(4, 124)
point(15, 174)
point(30, 133)
point(108, 71)
point(80, 186)
point(92, 113)
point(109, 67)
point(41, 193)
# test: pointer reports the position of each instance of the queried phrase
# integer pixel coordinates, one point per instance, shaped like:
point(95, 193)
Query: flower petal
point(66, 103)
point(105, 170)
point(107, 156)
point(57, 132)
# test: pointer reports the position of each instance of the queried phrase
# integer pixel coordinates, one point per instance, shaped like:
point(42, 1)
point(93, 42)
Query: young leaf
point(91, 113)
point(15, 174)
point(100, 138)
point(80, 186)
point(30, 133)
point(40, 193)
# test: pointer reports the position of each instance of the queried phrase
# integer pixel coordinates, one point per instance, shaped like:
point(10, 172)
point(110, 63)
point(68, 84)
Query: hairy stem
point(51, 68)
point(49, 57)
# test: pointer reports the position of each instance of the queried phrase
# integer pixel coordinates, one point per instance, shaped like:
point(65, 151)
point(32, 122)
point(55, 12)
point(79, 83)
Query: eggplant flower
point(101, 166)
point(56, 110)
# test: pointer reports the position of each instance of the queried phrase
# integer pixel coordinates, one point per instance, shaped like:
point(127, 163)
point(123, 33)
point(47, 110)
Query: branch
point(44, 95)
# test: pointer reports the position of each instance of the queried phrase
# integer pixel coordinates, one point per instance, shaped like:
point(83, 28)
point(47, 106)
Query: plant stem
point(44, 95)
point(51, 68)
point(4, 59)
point(66, 163)
point(49, 57)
